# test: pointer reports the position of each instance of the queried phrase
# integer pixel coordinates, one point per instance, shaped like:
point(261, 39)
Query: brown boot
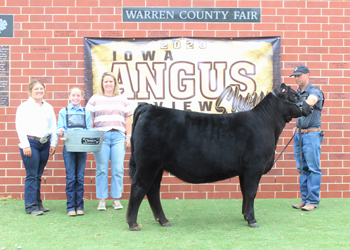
point(308, 208)
point(72, 213)
point(298, 206)
point(80, 212)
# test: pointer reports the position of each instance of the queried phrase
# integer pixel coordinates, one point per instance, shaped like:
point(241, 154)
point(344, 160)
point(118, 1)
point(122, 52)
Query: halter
point(298, 104)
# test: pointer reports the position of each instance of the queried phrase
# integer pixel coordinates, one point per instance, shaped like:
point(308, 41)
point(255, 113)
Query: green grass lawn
point(196, 224)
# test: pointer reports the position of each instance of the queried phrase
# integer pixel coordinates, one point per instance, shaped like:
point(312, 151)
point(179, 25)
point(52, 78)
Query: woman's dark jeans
point(34, 166)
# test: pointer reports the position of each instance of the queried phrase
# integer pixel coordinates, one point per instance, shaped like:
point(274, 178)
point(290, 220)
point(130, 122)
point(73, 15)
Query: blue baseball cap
point(302, 69)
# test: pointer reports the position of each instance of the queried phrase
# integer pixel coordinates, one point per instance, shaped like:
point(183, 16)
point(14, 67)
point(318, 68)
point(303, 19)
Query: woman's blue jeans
point(34, 166)
point(113, 148)
point(310, 180)
point(75, 167)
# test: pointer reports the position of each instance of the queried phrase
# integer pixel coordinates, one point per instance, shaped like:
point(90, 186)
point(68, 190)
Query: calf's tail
point(138, 111)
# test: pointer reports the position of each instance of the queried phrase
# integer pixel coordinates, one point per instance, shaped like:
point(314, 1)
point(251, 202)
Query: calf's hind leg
point(140, 185)
point(153, 196)
point(135, 199)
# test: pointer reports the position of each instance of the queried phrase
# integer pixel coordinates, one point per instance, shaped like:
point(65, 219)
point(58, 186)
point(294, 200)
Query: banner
point(195, 74)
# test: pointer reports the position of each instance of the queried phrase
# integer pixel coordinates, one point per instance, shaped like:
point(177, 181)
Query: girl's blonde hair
point(31, 86)
point(116, 85)
point(76, 87)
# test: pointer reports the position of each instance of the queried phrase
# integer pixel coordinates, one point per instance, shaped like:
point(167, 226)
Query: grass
point(196, 224)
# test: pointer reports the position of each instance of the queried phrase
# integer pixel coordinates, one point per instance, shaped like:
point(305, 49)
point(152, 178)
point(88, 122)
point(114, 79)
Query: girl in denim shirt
point(77, 118)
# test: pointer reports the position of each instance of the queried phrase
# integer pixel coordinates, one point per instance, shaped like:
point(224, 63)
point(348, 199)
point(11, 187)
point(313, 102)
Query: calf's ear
point(283, 91)
point(283, 88)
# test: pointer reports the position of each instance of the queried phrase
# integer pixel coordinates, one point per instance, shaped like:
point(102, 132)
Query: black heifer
point(201, 148)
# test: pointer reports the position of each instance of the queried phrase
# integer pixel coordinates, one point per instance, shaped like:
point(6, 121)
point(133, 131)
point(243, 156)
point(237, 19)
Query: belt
point(39, 139)
point(112, 130)
point(304, 131)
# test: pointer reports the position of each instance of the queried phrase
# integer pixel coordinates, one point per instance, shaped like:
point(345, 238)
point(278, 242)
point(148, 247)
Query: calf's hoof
point(254, 225)
point(136, 228)
point(166, 224)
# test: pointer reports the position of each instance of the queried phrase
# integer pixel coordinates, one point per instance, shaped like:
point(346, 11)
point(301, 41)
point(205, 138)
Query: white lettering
point(198, 12)
point(193, 15)
point(250, 15)
point(181, 88)
point(212, 89)
point(122, 74)
point(170, 14)
point(224, 14)
point(147, 14)
point(131, 14)
point(162, 14)
point(239, 72)
point(242, 16)
point(217, 14)
point(139, 15)
point(154, 15)
point(254, 15)
point(180, 15)
point(147, 80)
point(210, 15)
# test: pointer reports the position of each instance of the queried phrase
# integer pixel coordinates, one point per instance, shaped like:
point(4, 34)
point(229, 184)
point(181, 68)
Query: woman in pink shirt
point(110, 112)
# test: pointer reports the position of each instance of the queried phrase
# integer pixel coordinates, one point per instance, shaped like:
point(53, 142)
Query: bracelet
point(128, 136)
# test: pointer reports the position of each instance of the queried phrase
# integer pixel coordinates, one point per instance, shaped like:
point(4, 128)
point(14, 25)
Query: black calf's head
point(293, 100)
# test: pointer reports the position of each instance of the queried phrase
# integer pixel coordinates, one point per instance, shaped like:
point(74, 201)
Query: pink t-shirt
point(109, 112)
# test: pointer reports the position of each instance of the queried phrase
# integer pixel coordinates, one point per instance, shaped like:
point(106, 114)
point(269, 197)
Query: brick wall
point(48, 43)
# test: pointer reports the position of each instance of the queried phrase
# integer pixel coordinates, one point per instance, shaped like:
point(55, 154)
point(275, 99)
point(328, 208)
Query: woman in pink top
point(110, 112)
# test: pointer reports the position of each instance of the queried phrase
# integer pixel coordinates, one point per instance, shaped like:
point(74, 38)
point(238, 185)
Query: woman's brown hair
point(31, 86)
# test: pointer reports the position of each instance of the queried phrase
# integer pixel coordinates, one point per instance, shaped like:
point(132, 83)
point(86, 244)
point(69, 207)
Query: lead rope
point(283, 150)
point(300, 151)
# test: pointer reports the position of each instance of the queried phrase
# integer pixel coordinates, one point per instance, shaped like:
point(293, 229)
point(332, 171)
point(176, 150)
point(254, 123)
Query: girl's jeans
point(75, 167)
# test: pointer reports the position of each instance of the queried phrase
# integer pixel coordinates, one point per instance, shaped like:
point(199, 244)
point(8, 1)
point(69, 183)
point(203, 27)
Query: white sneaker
point(117, 205)
point(101, 205)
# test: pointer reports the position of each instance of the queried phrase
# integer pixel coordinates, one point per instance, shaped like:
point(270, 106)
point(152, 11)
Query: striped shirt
point(109, 112)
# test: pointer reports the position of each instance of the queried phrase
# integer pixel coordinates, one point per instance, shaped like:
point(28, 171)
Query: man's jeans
point(34, 166)
point(310, 180)
point(75, 167)
point(113, 148)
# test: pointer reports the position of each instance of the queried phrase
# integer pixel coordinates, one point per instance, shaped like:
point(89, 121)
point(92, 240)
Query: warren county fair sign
point(229, 15)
